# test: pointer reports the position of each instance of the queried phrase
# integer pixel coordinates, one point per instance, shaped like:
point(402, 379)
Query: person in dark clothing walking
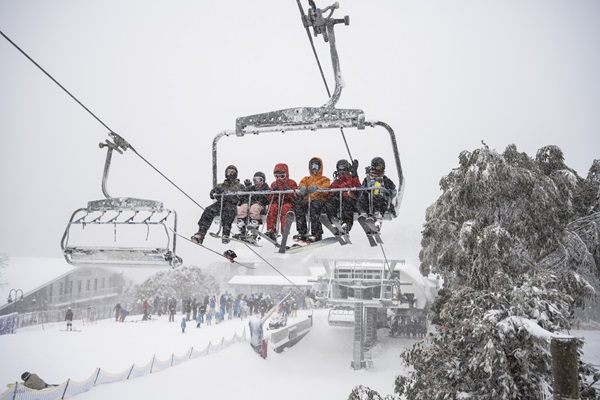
point(69, 319)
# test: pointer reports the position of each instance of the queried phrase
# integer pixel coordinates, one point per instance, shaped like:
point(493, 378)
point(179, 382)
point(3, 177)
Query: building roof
point(29, 274)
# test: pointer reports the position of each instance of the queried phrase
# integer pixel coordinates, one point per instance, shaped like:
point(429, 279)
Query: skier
point(377, 202)
point(69, 319)
point(343, 204)
point(228, 210)
point(308, 187)
point(256, 333)
point(183, 324)
point(252, 205)
point(280, 202)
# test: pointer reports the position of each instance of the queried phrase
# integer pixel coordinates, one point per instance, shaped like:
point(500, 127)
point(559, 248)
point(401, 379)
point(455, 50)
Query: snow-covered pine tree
point(179, 283)
point(500, 236)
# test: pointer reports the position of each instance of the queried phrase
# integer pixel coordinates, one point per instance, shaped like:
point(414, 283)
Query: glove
point(303, 190)
point(312, 188)
point(248, 183)
point(354, 168)
point(215, 192)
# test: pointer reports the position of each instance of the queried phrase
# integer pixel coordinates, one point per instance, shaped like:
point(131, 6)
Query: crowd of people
point(217, 308)
point(246, 203)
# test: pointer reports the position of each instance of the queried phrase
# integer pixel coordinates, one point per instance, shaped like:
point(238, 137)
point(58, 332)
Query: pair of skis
point(371, 229)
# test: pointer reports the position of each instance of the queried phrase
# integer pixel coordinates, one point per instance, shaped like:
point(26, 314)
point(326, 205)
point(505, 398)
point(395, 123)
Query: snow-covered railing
point(99, 377)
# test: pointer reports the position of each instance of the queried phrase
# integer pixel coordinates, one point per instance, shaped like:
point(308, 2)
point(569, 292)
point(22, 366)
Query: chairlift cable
point(312, 45)
point(271, 265)
point(93, 115)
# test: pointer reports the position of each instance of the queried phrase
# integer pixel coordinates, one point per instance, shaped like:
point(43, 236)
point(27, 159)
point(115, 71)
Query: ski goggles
point(258, 179)
point(231, 172)
point(280, 174)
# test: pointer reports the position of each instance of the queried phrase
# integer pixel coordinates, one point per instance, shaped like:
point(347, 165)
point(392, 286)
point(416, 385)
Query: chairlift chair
point(115, 218)
point(316, 118)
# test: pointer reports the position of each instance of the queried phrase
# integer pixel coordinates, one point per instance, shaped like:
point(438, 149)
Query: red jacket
point(345, 181)
point(283, 184)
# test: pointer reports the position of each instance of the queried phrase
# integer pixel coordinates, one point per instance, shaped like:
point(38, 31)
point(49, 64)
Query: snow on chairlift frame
point(109, 218)
point(314, 118)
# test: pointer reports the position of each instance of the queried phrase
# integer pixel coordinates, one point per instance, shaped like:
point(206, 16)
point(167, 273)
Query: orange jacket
point(322, 182)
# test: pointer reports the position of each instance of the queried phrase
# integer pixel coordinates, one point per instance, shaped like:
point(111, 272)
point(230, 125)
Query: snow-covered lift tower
point(363, 291)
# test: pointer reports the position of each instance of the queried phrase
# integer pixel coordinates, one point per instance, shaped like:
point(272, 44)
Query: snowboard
point(297, 248)
point(335, 228)
point(290, 217)
point(238, 239)
point(368, 225)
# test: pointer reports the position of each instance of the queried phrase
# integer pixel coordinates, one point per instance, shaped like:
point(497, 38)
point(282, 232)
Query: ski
point(262, 235)
point(296, 248)
point(374, 228)
point(362, 220)
point(246, 240)
point(290, 217)
point(337, 231)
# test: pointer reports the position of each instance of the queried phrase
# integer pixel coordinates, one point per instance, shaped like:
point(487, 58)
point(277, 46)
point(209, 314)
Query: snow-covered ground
point(317, 367)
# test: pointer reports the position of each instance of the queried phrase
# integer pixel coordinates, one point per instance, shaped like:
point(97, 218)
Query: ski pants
point(301, 209)
point(343, 211)
point(369, 203)
point(255, 211)
point(272, 215)
point(227, 216)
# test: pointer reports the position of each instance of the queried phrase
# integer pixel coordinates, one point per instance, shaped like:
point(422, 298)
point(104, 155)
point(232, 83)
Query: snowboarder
point(253, 206)
point(343, 204)
point(308, 187)
point(228, 210)
point(183, 324)
point(280, 202)
point(381, 199)
point(69, 319)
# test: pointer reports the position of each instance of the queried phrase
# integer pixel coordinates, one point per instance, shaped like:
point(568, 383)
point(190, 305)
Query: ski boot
point(198, 237)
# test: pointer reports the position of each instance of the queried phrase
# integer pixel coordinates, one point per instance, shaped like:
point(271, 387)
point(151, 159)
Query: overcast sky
point(169, 76)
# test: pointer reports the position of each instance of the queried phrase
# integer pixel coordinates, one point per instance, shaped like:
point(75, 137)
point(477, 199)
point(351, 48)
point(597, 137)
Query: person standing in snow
point(256, 333)
point(252, 206)
point(69, 319)
point(117, 310)
point(280, 203)
point(309, 201)
point(226, 206)
point(183, 324)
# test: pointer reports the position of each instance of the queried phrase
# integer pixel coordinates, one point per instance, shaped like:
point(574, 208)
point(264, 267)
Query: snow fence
point(72, 388)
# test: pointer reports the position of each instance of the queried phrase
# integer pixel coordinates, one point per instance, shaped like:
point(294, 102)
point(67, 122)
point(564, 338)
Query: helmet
point(231, 172)
point(378, 164)
point(259, 177)
point(342, 167)
point(25, 375)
